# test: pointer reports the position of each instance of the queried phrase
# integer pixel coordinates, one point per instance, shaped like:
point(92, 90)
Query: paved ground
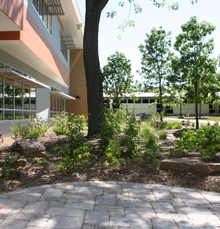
point(109, 205)
point(191, 121)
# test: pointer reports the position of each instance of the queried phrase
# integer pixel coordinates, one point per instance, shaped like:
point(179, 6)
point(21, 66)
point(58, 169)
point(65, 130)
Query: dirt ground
point(35, 174)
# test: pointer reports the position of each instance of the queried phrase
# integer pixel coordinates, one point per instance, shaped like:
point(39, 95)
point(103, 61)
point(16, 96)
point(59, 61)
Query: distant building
point(41, 60)
point(143, 104)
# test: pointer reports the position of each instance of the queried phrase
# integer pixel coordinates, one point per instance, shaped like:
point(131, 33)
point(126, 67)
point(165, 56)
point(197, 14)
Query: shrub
point(60, 122)
point(9, 168)
point(77, 153)
point(152, 155)
point(205, 140)
point(119, 136)
point(34, 128)
point(174, 125)
point(110, 128)
point(148, 134)
point(155, 121)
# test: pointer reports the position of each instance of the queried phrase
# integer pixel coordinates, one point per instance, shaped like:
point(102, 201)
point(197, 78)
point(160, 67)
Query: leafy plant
point(110, 128)
point(9, 168)
point(206, 141)
point(148, 134)
point(77, 154)
point(60, 122)
point(112, 154)
point(174, 125)
point(155, 121)
point(33, 128)
point(152, 155)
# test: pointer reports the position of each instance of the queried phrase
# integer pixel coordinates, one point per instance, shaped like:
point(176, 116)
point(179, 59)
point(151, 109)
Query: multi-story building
point(41, 60)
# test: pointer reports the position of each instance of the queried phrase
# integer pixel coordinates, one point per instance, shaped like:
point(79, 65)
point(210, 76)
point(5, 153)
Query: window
point(63, 49)
point(8, 93)
point(18, 95)
point(43, 11)
point(138, 101)
point(152, 100)
point(123, 100)
point(17, 100)
point(1, 92)
point(58, 104)
point(130, 101)
point(145, 100)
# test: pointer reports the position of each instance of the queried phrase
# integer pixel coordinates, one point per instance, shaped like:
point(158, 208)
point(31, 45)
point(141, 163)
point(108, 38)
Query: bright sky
point(205, 10)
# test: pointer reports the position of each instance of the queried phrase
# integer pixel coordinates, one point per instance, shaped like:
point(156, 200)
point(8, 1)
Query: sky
point(204, 10)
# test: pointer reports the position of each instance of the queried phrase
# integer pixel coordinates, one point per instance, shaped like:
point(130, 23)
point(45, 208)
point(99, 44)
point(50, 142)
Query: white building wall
point(43, 103)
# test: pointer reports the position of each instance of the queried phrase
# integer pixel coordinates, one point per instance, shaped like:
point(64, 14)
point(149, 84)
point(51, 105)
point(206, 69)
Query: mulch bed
point(36, 174)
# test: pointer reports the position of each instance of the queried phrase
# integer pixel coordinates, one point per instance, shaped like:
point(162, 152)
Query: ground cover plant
point(33, 128)
point(73, 157)
point(206, 141)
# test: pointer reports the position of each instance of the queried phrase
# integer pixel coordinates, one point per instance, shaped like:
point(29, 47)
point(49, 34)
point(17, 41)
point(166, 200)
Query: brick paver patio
point(109, 205)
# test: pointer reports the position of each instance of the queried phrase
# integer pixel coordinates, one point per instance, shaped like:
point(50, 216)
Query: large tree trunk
point(93, 73)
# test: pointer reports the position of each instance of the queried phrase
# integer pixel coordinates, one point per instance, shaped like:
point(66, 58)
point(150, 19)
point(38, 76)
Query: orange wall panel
point(78, 83)
point(14, 10)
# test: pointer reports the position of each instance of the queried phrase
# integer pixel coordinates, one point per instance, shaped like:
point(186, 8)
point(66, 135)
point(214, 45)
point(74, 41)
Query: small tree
point(194, 64)
point(117, 78)
point(156, 60)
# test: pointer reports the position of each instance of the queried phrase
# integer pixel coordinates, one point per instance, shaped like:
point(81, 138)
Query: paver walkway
point(105, 205)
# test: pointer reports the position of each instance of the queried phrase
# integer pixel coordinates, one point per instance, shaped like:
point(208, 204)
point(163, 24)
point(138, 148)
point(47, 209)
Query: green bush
point(148, 134)
point(205, 140)
point(119, 139)
point(155, 121)
point(60, 122)
point(152, 155)
point(77, 153)
point(33, 128)
point(174, 125)
point(9, 168)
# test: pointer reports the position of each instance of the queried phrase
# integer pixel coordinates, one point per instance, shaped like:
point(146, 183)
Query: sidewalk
point(109, 205)
point(191, 120)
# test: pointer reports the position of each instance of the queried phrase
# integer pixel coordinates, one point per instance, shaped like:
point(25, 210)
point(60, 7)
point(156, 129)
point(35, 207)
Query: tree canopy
point(117, 78)
point(156, 62)
point(194, 68)
point(93, 72)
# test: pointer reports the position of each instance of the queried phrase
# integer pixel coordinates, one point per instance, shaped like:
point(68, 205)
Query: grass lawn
point(210, 118)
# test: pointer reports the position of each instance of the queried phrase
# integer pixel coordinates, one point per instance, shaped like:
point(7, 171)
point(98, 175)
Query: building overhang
point(11, 74)
point(8, 24)
point(55, 7)
point(72, 21)
point(67, 39)
point(62, 95)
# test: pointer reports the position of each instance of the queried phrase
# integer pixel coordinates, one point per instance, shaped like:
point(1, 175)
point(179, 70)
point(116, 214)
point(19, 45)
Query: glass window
point(18, 95)
point(130, 101)
point(26, 99)
point(169, 111)
point(8, 93)
point(152, 100)
point(33, 98)
point(123, 101)
point(1, 91)
point(43, 11)
point(26, 114)
point(138, 101)
point(9, 115)
point(144, 100)
point(18, 114)
point(63, 49)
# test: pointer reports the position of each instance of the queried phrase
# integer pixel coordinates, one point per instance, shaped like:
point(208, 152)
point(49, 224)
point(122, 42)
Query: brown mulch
point(36, 174)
